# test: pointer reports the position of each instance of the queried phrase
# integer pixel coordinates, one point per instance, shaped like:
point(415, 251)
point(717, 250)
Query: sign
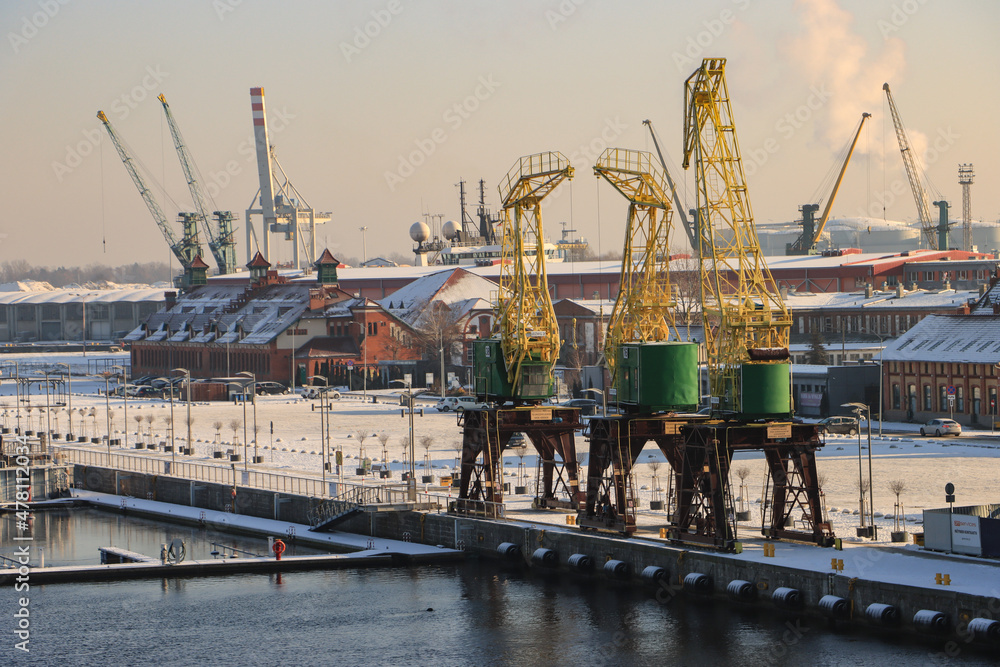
point(965, 534)
point(810, 399)
point(541, 414)
point(408, 379)
point(350, 363)
point(672, 428)
point(779, 431)
point(951, 390)
point(428, 379)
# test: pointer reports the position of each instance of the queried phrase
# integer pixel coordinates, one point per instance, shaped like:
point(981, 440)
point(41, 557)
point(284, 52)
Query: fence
point(232, 476)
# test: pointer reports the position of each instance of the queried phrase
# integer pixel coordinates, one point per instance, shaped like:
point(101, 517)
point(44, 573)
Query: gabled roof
point(948, 338)
point(462, 291)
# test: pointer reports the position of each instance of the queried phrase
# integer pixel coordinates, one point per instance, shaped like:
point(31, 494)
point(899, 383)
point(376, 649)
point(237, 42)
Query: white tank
point(450, 230)
point(420, 232)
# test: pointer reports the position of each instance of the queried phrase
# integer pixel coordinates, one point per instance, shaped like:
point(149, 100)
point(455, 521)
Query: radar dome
point(450, 230)
point(420, 232)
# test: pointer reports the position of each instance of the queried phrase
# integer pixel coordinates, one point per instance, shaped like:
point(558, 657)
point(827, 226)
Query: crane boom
point(186, 248)
point(912, 174)
point(689, 228)
point(516, 363)
point(647, 371)
point(220, 243)
point(746, 322)
point(807, 241)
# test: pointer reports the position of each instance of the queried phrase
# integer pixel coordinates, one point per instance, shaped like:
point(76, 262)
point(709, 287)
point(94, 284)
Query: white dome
point(420, 232)
point(450, 230)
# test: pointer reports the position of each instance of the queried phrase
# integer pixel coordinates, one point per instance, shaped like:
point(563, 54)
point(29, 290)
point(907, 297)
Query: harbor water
point(473, 613)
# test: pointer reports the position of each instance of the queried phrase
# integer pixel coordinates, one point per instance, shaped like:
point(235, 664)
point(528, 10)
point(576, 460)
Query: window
point(895, 396)
point(927, 398)
point(943, 398)
point(960, 399)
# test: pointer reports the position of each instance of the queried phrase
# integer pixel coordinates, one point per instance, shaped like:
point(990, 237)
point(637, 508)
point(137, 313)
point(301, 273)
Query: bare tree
point(898, 487)
point(362, 435)
point(426, 442)
point(383, 439)
point(235, 424)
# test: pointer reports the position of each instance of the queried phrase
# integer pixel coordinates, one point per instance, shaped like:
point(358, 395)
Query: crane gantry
point(185, 249)
point(221, 242)
point(649, 373)
point(746, 322)
point(518, 364)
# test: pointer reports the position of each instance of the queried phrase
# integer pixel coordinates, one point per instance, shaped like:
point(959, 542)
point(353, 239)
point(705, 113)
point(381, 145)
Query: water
point(474, 613)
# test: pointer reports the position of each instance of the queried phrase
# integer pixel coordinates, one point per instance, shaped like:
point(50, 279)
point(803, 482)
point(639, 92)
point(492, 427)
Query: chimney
point(899, 292)
point(946, 284)
point(869, 291)
point(885, 286)
point(784, 293)
point(982, 289)
point(171, 299)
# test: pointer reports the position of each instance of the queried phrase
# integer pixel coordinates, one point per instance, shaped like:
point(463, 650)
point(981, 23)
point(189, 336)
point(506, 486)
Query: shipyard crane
point(517, 365)
point(221, 243)
point(746, 322)
point(807, 241)
point(938, 241)
point(283, 209)
point(187, 248)
point(689, 226)
point(649, 373)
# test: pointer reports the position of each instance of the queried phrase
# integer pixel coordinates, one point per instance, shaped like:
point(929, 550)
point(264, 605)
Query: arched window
point(895, 396)
point(927, 398)
point(960, 399)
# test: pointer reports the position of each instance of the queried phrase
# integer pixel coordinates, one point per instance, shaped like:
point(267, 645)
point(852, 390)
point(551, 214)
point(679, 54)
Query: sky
point(377, 109)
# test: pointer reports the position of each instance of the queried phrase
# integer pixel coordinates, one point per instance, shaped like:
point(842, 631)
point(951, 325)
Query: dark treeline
point(148, 273)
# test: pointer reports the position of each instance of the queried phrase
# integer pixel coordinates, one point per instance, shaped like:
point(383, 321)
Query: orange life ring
point(278, 548)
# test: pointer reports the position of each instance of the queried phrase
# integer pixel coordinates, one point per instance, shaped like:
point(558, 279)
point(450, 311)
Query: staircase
point(331, 512)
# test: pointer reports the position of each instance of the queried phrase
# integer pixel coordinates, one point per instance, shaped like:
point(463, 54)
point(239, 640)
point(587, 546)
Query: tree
point(440, 330)
point(817, 355)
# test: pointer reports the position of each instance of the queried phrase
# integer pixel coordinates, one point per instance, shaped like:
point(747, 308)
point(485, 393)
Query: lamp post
point(364, 243)
point(872, 531)
point(253, 393)
point(187, 380)
point(604, 399)
point(173, 442)
point(123, 377)
point(411, 486)
point(69, 394)
point(48, 420)
point(107, 405)
point(323, 426)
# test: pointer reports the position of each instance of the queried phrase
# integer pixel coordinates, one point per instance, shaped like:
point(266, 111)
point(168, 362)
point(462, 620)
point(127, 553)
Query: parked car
point(587, 406)
point(458, 404)
point(271, 388)
point(941, 427)
point(843, 425)
point(319, 390)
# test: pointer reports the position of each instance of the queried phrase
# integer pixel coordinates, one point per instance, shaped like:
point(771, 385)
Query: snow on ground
point(971, 461)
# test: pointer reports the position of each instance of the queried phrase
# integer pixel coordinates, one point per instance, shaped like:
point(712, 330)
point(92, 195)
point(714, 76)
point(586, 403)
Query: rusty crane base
point(487, 432)
point(700, 454)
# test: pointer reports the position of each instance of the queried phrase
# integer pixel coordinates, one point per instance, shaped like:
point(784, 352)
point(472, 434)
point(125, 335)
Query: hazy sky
point(377, 109)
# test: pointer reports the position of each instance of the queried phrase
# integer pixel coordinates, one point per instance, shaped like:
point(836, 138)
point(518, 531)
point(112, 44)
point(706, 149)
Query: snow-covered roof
point(920, 299)
point(461, 290)
point(66, 295)
point(948, 338)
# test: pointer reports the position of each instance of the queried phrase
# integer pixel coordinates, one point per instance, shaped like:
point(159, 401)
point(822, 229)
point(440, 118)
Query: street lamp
point(871, 531)
point(107, 406)
point(604, 398)
point(173, 442)
point(324, 427)
point(412, 481)
point(69, 394)
point(187, 380)
point(253, 391)
point(123, 376)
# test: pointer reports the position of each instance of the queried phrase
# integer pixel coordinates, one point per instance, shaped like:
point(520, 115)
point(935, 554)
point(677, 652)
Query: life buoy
point(279, 548)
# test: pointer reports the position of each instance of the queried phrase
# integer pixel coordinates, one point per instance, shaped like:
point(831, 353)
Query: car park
point(939, 427)
point(458, 404)
point(839, 425)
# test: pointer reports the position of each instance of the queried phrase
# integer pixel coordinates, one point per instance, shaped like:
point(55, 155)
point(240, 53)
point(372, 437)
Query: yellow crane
point(516, 364)
point(649, 373)
point(811, 230)
point(746, 322)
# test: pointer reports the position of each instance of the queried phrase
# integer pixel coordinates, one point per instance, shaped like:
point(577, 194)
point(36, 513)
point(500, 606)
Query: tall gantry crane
point(746, 322)
point(935, 235)
point(188, 247)
point(649, 373)
point(220, 240)
point(806, 243)
point(517, 366)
